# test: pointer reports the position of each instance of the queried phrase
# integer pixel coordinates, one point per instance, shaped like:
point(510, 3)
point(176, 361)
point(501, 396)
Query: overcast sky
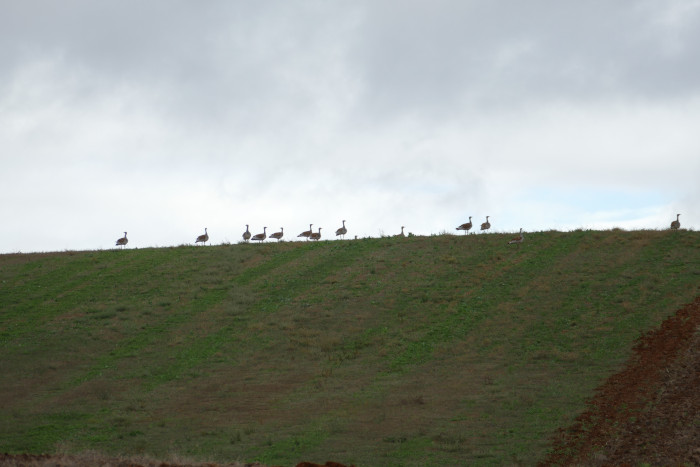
point(164, 117)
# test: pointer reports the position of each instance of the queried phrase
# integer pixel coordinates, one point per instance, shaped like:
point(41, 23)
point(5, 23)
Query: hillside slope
point(414, 351)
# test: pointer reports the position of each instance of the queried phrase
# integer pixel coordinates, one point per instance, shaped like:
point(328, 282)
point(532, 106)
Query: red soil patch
point(47, 460)
point(90, 460)
point(650, 411)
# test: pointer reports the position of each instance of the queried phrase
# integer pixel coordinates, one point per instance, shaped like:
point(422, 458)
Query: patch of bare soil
point(95, 460)
point(650, 411)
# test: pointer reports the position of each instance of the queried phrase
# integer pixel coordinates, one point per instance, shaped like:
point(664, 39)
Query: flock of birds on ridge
point(311, 235)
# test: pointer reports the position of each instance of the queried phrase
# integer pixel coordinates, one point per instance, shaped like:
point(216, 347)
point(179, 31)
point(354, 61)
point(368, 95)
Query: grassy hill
point(443, 350)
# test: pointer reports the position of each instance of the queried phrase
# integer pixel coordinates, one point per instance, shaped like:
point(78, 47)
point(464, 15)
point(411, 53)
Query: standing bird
point(486, 225)
point(401, 234)
point(246, 234)
point(203, 238)
point(466, 226)
point(341, 231)
point(306, 233)
point(316, 235)
point(261, 236)
point(278, 235)
point(675, 225)
point(122, 241)
point(518, 240)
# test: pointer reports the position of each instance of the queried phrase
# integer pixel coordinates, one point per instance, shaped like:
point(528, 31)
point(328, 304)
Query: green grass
point(443, 350)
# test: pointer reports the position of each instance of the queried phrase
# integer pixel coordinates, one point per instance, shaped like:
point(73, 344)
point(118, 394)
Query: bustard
point(316, 235)
point(306, 233)
point(519, 239)
point(675, 225)
point(203, 238)
point(122, 241)
point(246, 234)
point(486, 225)
point(341, 231)
point(466, 227)
point(278, 235)
point(261, 236)
point(401, 234)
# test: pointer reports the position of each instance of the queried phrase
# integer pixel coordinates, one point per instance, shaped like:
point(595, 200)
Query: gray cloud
point(452, 55)
point(173, 115)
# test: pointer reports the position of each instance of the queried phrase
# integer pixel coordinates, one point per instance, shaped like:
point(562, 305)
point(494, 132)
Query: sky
point(166, 117)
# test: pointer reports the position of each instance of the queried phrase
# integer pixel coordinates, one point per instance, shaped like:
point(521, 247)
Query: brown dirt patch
point(650, 411)
point(93, 460)
point(96, 460)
